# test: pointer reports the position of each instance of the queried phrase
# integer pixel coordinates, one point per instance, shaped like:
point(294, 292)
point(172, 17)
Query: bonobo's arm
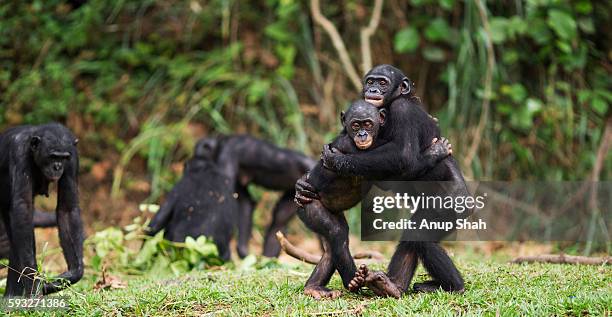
point(21, 232)
point(164, 214)
point(389, 159)
point(70, 226)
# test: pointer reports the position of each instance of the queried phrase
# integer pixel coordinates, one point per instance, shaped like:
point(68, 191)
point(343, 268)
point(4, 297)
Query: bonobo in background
point(408, 131)
point(362, 124)
point(40, 220)
point(31, 157)
point(200, 204)
point(252, 161)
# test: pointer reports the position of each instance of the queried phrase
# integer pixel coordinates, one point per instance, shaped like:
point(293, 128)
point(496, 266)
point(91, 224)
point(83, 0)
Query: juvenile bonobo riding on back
point(362, 124)
point(408, 131)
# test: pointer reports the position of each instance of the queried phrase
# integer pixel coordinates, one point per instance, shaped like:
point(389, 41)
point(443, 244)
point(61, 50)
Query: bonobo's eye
point(370, 82)
point(355, 126)
point(383, 82)
point(368, 125)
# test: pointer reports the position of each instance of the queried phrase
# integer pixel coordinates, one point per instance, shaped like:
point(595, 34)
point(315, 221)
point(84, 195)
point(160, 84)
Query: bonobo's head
point(383, 84)
point(362, 121)
point(206, 149)
point(52, 148)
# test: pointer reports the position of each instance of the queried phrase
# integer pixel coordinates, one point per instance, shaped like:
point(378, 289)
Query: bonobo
point(39, 220)
point(32, 157)
point(409, 129)
point(200, 204)
point(362, 123)
point(252, 161)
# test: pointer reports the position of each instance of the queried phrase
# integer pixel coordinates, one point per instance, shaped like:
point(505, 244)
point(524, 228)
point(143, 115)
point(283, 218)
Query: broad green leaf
point(438, 30)
point(406, 40)
point(498, 27)
point(562, 23)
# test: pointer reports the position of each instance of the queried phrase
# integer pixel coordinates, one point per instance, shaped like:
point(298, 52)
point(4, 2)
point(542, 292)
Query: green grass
point(491, 288)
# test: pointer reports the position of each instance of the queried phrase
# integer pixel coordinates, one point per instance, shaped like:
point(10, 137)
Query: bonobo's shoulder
point(17, 134)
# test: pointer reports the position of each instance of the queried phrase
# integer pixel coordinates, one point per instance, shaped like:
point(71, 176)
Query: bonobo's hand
point(434, 119)
point(304, 192)
point(330, 157)
point(440, 148)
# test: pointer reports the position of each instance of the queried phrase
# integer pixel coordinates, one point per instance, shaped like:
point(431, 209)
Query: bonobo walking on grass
point(362, 124)
point(32, 157)
point(252, 161)
point(409, 130)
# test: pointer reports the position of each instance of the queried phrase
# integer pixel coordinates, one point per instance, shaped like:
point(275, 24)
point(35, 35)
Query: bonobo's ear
point(405, 86)
point(382, 116)
point(34, 142)
point(75, 142)
point(342, 115)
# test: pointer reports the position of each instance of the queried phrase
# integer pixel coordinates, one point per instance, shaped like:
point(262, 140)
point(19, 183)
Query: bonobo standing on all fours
point(32, 157)
point(407, 132)
point(227, 165)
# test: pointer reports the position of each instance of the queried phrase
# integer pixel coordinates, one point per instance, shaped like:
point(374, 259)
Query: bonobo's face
point(383, 83)
point(362, 122)
point(51, 153)
point(205, 149)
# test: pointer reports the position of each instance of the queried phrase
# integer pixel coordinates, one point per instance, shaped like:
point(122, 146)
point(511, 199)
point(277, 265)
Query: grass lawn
point(492, 287)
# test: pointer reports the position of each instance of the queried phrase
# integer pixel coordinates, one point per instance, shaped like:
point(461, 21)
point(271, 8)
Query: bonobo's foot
point(433, 286)
point(359, 280)
point(440, 147)
point(304, 192)
point(318, 292)
point(376, 281)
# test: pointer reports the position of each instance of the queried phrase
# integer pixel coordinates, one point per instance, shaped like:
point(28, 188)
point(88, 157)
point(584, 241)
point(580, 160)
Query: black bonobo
point(200, 204)
point(362, 124)
point(409, 130)
point(32, 157)
point(253, 161)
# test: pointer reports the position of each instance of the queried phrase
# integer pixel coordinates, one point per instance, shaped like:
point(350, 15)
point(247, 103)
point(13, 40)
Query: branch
point(487, 84)
point(563, 259)
point(366, 257)
point(331, 30)
point(366, 33)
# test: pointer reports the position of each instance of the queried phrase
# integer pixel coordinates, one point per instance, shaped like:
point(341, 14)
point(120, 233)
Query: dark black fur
point(253, 161)
point(408, 131)
point(200, 204)
point(337, 193)
point(40, 220)
point(31, 157)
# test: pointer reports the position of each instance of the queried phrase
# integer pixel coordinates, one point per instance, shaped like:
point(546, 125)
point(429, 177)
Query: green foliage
point(158, 257)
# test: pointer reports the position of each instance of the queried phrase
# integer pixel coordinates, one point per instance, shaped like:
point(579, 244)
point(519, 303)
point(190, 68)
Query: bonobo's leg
point(333, 230)
point(315, 285)
point(44, 219)
point(245, 220)
point(70, 228)
point(21, 279)
point(441, 268)
point(400, 272)
point(283, 212)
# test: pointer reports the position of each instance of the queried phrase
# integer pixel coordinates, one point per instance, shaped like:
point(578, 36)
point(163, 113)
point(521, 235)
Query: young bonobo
point(32, 157)
point(200, 204)
point(252, 161)
point(362, 123)
point(408, 131)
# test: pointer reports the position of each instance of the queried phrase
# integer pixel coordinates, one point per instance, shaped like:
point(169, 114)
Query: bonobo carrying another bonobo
point(407, 132)
point(362, 124)
point(252, 161)
point(200, 204)
point(32, 157)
